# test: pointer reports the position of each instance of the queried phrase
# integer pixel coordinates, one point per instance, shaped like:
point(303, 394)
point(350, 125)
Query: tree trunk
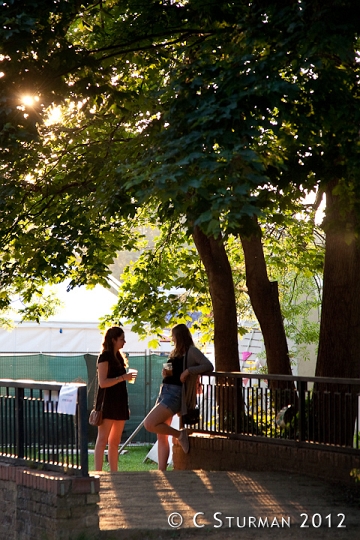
point(339, 343)
point(264, 298)
point(214, 257)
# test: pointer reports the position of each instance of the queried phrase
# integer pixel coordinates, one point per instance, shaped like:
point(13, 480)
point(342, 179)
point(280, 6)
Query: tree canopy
point(216, 117)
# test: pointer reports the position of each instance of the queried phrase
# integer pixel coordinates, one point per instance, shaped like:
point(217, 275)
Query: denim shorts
point(170, 397)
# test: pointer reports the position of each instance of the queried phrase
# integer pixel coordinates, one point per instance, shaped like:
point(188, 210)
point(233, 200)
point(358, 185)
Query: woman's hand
point(184, 375)
point(105, 382)
point(131, 376)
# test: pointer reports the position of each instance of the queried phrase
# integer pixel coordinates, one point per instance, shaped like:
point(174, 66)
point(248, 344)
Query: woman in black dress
point(112, 389)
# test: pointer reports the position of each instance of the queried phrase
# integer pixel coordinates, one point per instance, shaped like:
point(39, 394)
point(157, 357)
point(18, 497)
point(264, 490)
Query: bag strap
point(97, 391)
point(103, 399)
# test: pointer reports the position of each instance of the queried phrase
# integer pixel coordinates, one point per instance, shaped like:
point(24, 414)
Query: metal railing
point(304, 411)
point(33, 433)
point(76, 367)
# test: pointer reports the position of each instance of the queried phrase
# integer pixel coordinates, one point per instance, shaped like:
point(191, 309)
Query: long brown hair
point(107, 345)
point(182, 340)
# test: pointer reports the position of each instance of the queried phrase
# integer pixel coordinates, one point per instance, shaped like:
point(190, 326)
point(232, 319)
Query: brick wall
point(222, 454)
point(47, 506)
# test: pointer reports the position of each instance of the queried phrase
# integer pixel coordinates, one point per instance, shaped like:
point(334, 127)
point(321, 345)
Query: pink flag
point(245, 355)
point(245, 382)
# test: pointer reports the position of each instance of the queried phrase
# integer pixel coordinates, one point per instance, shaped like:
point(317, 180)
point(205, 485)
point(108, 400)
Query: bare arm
point(104, 381)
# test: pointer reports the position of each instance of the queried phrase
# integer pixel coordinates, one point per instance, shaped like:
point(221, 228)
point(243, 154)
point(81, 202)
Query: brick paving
point(243, 504)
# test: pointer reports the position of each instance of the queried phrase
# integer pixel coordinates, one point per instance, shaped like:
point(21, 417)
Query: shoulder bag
point(96, 416)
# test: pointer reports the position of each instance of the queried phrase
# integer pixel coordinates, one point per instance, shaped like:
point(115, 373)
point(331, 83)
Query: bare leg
point(163, 448)
point(101, 442)
point(113, 443)
point(156, 421)
point(109, 433)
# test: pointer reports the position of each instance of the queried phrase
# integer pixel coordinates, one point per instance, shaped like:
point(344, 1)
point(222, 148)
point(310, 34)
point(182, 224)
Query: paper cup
point(135, 371)
point(168, 367)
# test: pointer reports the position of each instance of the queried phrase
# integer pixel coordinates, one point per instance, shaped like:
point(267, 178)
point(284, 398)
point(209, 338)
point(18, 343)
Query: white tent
point(74, 328)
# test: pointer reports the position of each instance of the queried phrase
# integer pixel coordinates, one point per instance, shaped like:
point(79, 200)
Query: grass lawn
point(132, 460)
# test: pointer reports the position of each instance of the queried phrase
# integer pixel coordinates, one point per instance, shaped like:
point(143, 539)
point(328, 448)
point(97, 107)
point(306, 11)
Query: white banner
point(67, 399)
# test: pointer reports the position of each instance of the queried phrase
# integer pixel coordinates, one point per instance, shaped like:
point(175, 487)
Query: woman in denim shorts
point(169, 401)
point(170, 396)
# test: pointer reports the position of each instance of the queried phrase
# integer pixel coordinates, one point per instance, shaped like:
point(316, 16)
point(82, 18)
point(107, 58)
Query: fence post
point(147, 382)
point(239, 405)
point(83, 429)
point(19, 421)
point(302, 410)
point(149, 389)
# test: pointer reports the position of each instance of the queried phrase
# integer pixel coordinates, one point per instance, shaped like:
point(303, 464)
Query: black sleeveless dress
point(116, 403)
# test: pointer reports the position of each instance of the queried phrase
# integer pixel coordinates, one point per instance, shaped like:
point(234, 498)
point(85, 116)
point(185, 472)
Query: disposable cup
point(168, 367)
point(135, 371)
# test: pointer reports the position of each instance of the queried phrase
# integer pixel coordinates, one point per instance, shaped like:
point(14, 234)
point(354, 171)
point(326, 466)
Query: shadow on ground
point(201, 505)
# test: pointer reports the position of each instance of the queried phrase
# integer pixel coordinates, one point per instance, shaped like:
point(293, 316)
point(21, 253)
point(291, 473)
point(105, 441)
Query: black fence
point(291, 410)
point(81, 368)
point(34, 434)
point(309, 412)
